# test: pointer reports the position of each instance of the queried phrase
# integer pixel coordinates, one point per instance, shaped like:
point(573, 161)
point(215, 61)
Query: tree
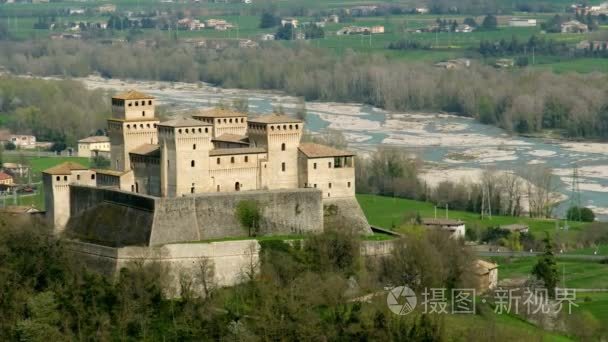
point(268, 20)
point(546, 268)
point(582, 214)
point(100, 162)
point(248, 214)
point(285, 32)
point(470, 21)
point(10, 146)
point(489, 23)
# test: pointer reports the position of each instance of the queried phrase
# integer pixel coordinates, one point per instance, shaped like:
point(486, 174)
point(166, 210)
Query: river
point(454, 147)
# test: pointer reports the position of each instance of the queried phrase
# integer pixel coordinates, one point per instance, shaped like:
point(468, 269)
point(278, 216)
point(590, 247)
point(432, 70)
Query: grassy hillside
point(388, 212)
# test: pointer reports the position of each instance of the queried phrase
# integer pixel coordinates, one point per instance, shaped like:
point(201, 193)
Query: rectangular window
point(218, 163)
point(314, 166)
point(348, 184)
point(246, 159)
point(329, 165)
point(283, 167)
point(330, 185)
point(315, 185)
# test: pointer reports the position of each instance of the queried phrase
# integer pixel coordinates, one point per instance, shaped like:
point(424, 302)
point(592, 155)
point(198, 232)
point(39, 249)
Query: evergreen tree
point(489, 23)
point(546, 268)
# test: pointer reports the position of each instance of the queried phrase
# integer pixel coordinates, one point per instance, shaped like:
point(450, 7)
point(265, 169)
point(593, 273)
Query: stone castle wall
point(117, 218)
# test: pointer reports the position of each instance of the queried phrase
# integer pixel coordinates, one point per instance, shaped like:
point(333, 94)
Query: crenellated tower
point(184, 145)
point(280, 135)
point(133, 124)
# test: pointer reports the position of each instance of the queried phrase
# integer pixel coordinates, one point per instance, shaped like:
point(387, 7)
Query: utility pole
point(446, 211)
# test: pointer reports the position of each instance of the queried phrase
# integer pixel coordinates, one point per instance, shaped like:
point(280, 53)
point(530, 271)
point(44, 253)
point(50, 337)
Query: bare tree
point(541, 184)
point(205, 275)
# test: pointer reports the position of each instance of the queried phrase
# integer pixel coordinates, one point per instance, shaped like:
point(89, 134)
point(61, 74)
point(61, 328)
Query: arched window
point(143, 113)
point(283, 167)
point(179, 131)
point(230, 120)
point(283, 147)
point(192, 163)
point(186, 131)
point(58, 178)
point(77, 177)
point(206, 130)
point(194, 146)
point(150, 102)
point(93, 176)
point(296, 126)
point(65, 178)
point(329, 185)
point(218, 188)
point(232, 160)
point(136, 103)
point(218, 161)
point(237, 186)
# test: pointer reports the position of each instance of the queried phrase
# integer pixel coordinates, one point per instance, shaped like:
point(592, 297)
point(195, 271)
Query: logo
point(401, 300)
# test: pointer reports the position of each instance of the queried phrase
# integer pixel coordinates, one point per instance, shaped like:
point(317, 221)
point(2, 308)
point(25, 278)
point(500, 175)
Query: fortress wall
point(110, 217)
point(230, 260)
point(345, 213)
point(293, 211)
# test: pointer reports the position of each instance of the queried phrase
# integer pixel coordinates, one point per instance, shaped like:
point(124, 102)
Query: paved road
point(534, 254)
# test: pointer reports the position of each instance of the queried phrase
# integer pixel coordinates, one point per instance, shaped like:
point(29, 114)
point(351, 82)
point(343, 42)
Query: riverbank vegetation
point(56, 111)
point(520, 101)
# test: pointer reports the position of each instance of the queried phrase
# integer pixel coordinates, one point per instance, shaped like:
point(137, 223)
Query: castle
point(174, 189)
point(213, 153)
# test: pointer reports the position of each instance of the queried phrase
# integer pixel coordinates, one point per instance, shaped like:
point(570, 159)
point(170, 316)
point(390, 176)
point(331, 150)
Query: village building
point(463, 28)
point(267, 36)
point(486, 275)
point(6, 179)
point(23, 141)
point(574, 26)
point(107, 8)
point(459, 63)
point(15, 169)
point(291, 21)
point(456, 228)
point(519, 228)
point(519, 22)
point(593, 45)
point(94, 146)
point(190, 24)
point(333, 18)
point(214, 151)
point(377, 29)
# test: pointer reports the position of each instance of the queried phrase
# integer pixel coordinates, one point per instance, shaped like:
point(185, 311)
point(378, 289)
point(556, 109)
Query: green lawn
point(388, 212)
point(576, 273)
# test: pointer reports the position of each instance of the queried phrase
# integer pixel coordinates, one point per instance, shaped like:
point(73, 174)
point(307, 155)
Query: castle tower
point(56, 181)
point(281, 135)
point(224, 121)
point(184, 145)
point(133, 124)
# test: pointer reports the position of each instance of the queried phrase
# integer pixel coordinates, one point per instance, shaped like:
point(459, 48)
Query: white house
point(518, 22)
point(456, 228)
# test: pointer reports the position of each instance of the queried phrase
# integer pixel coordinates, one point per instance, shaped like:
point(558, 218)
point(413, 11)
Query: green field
point(388, 212)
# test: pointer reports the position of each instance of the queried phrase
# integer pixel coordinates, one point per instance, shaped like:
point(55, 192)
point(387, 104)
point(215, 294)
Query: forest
point(520, 101)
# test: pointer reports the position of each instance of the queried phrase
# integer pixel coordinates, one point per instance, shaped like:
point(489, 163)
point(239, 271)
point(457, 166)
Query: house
point(76, 11)
point(15, 169)
point(268, 36)
point(248, 43)
point(486, 275)
point(190, 24)
point(212, 23)
point(594, 45)
point(108, 8)
point(353, 30)
point(299, 35)
point(574, 26)
point(23, 141)
point(518, 22)
point(504, 63)
point(464, 28)
point(94, 146)
point(292, 21)
point(246, 1)
point(458, 63)
point(333, 18)
point(519, 228)
point(456, 228)
point(377, 29)
point(6, 179)
point(421, 10)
